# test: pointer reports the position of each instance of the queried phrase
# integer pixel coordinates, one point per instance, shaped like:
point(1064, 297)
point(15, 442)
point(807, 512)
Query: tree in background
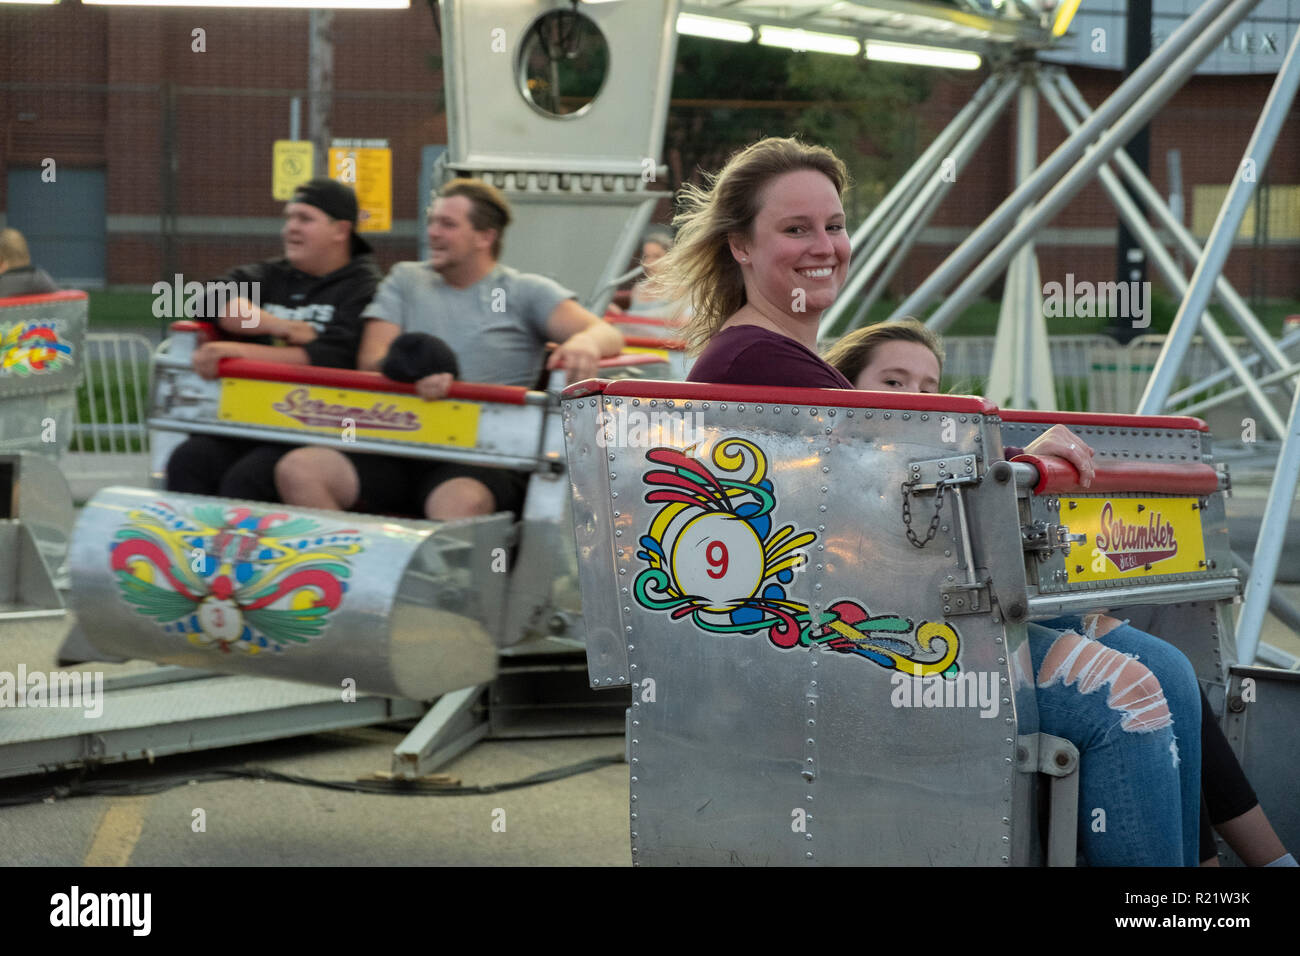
point(726, 95)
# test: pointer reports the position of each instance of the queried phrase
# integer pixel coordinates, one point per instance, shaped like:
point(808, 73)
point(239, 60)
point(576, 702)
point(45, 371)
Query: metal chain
point(907, 513)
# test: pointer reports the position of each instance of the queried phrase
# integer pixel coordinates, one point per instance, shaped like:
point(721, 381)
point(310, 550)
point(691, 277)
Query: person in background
point(309, 312)
point(17, 274)
point(496, 322)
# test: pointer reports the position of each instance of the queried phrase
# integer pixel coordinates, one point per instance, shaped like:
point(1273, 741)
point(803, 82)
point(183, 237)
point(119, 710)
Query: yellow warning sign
point(291, 166)
point(1133, 537)
point(333, 411)
point(367, 166)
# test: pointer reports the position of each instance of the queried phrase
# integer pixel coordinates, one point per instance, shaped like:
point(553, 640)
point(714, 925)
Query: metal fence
point(110, 443)
point(1092, 373)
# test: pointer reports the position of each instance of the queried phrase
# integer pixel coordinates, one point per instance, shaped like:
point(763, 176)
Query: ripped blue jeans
point(1131, 705)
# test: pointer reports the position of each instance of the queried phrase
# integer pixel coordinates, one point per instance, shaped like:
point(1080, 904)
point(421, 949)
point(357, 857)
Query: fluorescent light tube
point(883, 51)
point(806, 40)
point(714, 28)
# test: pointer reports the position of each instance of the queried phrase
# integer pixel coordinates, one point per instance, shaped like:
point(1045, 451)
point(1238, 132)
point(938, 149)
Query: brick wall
point(385, 88)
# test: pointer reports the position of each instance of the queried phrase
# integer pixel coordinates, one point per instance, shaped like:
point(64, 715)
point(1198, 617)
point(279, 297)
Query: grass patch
point(116, 310)
point(106, 397)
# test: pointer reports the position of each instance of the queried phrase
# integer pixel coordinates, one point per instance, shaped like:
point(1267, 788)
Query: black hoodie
point(332, 303)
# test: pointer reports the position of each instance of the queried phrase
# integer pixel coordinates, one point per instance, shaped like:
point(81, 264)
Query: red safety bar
point(650, 342)
point(366, 381)
point(70, 295)
point(754, 394)
point(1104, 419)
point(1056, 476)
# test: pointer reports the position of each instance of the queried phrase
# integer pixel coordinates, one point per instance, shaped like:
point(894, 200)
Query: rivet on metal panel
point(740, 408)
point(829, 411)
point(617, 514)
point(925, 418)
point(824, 489)
point(722, 407)
point(998, 640)
point(611, 458)
point(622, 570)
point(826, 469)
point(906, 417)
point(636, 401)
point(653, 403)
point(618, 401)
point(613, 494)
point(817, 587)
point(776, 409)
point(821, 507)
point(634, 780)
point(867, 414)
point(849, 414)
point(807, 836)
point(759, 409)
point(625, 589)
point(794, 411)
point(809, 854)
point(885, 415)
point(634, 798)
point(628, 628)
point(630, 647)
point(821, 527)
point(821, 547)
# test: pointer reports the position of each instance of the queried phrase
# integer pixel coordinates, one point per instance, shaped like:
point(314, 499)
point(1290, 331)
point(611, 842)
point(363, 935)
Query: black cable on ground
point(91, 787)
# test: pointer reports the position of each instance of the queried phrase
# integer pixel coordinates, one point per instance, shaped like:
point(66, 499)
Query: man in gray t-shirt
point(497, 326)
point(495, 319)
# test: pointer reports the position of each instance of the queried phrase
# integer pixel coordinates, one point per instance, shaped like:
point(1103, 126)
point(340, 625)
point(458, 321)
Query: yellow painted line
point(116, 833)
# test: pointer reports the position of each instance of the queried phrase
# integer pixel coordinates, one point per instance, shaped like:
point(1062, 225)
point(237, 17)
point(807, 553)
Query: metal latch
point(1046, 538)
point(953, 470)
point(967, 598)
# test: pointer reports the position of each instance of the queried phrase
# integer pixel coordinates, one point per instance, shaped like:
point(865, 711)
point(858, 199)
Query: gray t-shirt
point(496, 327)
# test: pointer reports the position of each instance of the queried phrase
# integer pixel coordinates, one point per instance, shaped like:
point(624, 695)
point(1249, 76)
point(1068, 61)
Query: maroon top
point(749, 355)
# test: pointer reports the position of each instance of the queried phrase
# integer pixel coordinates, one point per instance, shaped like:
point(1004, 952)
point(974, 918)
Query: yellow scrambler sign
point(329, 411)
point(1133, 537)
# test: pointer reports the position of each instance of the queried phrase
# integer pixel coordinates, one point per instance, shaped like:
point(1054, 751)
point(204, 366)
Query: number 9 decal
point(716, 555)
